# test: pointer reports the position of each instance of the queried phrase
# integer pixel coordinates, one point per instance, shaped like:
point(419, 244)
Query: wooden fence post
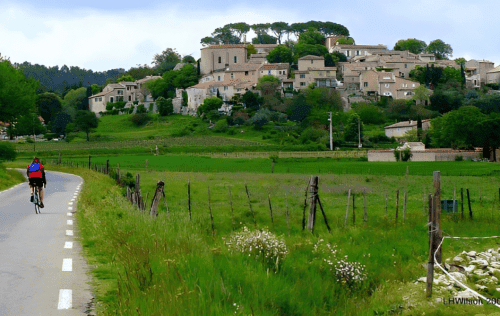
point(397, 205)
point(211, 216)
point(250, 205)
point(313, 189)
point(438, 235)
point(270, 209)
point(347, 208)
point(107, 166)
point(138, 191)
point(305, 205)
point(89, 161)
point(430, 262)
point(365, 214)
point(324, 214)
point(147, 162)
point(404, 207)
point(59, 160)
point(153, 211)
point(189, 198)
point(430, 218)
point(468, 201)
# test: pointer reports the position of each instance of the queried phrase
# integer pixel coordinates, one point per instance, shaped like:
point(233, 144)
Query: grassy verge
point(9, 178)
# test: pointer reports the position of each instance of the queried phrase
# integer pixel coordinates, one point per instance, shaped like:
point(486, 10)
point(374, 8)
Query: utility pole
point(331, 140)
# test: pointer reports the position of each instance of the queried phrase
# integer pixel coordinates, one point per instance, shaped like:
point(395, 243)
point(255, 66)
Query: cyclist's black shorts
point(36, 181)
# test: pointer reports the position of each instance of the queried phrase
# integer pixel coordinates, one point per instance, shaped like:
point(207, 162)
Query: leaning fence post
point(153, 211)
point(304, 209)
point(89, 161)
point(468, 201)
point(313, 189)
point(270, 209)
point(107, 166)
point(437, 213)
point(250, 205)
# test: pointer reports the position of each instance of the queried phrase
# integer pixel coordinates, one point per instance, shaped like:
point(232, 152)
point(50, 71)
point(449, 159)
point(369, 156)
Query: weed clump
point(261, 244)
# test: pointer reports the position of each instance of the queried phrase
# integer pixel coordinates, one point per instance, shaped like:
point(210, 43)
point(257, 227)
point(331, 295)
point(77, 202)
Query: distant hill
point(61, 80)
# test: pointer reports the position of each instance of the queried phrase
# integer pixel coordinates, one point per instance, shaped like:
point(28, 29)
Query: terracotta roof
point(264, 45)
point(116, 86)
point(308, 57)
point(203, 85)
point(100, 94)
point(275, 66)
point(226, 46)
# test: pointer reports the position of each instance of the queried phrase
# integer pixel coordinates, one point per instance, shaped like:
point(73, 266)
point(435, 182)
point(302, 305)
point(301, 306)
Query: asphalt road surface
point(42, 271)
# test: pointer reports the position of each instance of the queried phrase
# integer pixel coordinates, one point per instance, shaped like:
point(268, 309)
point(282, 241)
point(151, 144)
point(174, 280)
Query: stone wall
point(427, 155)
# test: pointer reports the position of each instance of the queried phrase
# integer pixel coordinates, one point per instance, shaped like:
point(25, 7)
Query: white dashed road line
point(70, 208)
point(68, 245)
point(69, 233)
point(65, 299)
point(67, 264)
point(69, 222)
point(70, 214)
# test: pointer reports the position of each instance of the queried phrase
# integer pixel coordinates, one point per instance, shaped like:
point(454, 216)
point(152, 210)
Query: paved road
point(33, 254)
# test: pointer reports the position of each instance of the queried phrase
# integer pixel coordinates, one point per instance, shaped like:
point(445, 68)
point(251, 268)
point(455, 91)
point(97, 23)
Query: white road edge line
point(68, 245)
point(65, 299)
point(70, 203)
point(67, 264)
point(69, 233)
point(70, 208)
point(70, 214)
point(69, 222)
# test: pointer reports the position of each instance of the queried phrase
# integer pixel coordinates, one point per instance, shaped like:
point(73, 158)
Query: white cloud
point(102, 40)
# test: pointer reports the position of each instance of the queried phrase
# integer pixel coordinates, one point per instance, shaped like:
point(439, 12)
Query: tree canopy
point(86, 121)
point(280, 54)
point(413, 45)
point(440, 49)
point(166, 60)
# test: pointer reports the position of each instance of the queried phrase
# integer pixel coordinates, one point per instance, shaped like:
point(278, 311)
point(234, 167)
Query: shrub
point(140, 119)
point(151, 107)
point(165, 106)
point(50, 136)
point(261, 245)
point(109, 106)
point(29, 140)
point(261, 118)
point(405, 154)
point(221, 126)
point(7, 151)
point(231, 131)
point(141, 109)
point(135, 102)
point(459, 158)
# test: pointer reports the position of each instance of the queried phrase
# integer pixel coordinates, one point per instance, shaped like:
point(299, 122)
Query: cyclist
point(36, 176)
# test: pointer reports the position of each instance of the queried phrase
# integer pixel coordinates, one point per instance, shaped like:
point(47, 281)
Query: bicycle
point(36, 199)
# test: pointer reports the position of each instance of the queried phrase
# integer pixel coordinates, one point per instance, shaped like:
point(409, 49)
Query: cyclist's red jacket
point(36, 174)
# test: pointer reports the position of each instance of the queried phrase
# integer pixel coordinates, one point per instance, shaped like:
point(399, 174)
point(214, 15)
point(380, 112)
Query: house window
point(413, 85)
point(232, 75)
point(235, 59)
point(220, 60)
point(405, 85)
point(218, 78)
point(387, 85)
point(246, 73)
point(302, 84)
point(406, 65)
point(365, 84)
point(111, 99)
point(357, 53)
point(279, 72)
point(100, 99)
point(311, 61)
point(96, 99)
point(225, 88)
point(302, 75)
point(130, 98)
point(348, 53)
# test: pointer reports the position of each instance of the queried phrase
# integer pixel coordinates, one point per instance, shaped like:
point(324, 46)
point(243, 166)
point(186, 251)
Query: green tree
point(413, 45)
point(73, 100)
point(7, 151)
point(278, 29)
point(460, 61)
point(49, 105)
point(440, 49)
point(334, 58)
point(261, 28)
point(353, 125)
point(125, 77)
point(188, 59)
point(298, 109)
point(29, 124)
point(264, 39)
point(251, 100)
point(224, 35)
point(311, 37)
point(207, 41)
point(17, 94)
point(209, 104)
point(139, 72)
point(86, 121)
point(298, 28)
point(59, 123)
point(165, 106)
point(369, 113)
point(302, 50)
point(268, 84)
point(251, 50)
point(166, 60)
point(346, 41)
point(96, 89)
point(280, 54)
point(240, 28)
point(487, 134)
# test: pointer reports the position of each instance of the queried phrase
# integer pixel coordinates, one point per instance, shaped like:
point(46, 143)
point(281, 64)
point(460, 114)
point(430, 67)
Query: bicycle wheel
point(36, 200)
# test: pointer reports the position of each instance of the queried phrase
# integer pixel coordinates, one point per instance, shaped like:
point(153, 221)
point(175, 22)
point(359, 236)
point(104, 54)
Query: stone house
point(493, 76)
point(477, 70)
point(399, 129)
point(217, 57)
point(264, 48)
point(123, 91)
point(386, 84)
point(279, 70)
point(312, 69)
point(357, 50)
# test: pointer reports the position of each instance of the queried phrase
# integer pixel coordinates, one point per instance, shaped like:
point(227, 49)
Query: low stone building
point(399, 129)
point(493, 76)
point(311, 69)
point(357, 50)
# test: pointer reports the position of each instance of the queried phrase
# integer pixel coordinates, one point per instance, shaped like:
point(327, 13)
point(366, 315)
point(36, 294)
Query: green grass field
point(9, 178)
point(174, 264)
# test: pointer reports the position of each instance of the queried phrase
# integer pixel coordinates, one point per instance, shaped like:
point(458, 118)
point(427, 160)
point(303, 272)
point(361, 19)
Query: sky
point(103, 35)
